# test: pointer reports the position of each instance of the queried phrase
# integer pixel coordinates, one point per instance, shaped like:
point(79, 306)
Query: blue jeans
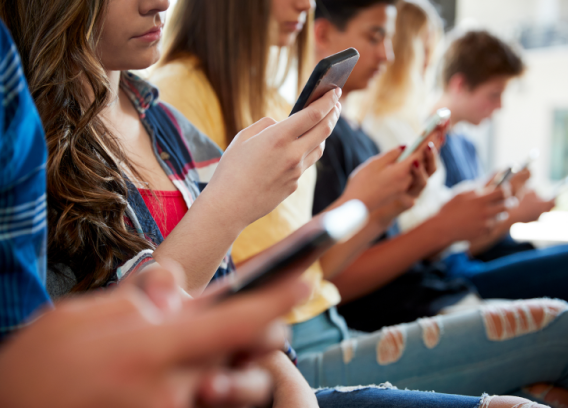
point(366, 397)
point(462, 357)
point(524, 275)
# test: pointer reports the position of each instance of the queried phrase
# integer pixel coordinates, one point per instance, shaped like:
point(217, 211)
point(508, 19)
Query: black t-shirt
point(421, 291)
point(345, 150)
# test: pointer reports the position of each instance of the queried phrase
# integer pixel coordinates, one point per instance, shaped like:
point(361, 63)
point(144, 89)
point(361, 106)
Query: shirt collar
point(142, 93)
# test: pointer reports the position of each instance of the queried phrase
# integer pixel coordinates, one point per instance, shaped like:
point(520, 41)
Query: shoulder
point(202, 148)
point(183, 79)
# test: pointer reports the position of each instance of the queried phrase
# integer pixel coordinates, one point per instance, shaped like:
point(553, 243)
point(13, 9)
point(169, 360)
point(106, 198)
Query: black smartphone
point(302, 248)
point(330, 73)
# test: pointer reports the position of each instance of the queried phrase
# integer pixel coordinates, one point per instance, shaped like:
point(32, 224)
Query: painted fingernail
point(430, 146)
point(402, 147)
point(416, 164)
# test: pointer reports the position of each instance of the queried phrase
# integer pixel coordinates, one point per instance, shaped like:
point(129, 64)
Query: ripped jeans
point(493, 349)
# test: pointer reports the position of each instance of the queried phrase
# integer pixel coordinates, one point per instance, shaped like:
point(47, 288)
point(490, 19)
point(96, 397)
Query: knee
point(508, 320)
point(509, 402)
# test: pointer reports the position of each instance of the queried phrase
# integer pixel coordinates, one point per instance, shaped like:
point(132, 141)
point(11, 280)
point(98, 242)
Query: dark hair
point(480, 56)
point(87, 192)
point(340, 12)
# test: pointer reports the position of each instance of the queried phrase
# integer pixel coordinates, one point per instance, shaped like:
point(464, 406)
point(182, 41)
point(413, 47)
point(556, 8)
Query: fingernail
point(416, 164)
point(338, 91)
point(430, 146)
point(402, 147)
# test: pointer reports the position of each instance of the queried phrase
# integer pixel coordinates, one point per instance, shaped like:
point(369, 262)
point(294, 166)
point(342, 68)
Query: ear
point(457, 84)
point(322, 34)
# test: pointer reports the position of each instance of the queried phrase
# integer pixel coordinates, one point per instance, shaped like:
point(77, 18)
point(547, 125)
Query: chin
point(287, 39)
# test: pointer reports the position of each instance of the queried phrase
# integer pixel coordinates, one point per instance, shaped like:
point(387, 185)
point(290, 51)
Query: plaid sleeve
point(22, 196)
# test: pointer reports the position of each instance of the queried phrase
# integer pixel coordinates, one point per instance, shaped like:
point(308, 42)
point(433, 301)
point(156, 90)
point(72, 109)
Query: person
point(146, 326)
point(396, 107)
point(323, 358)
point(392, 120)
point(348, 146)
point(476, 98)
point(135, 12)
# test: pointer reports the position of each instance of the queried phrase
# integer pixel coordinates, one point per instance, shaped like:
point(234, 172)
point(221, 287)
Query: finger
point(320, 131)
point(495, 195)
point(162, 285)
point(420, 178)
point(313, 157)
point(390, 157)
point(430, 158)
point(255, 129)
point(234, 323)
point(301, 122)
point(247, 387)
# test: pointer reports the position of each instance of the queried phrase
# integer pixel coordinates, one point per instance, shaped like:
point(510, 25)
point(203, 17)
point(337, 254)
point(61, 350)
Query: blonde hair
point(402, 84)
point(231, 40)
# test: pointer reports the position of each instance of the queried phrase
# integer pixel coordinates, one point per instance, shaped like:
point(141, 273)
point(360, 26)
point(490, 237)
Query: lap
point(386, 397)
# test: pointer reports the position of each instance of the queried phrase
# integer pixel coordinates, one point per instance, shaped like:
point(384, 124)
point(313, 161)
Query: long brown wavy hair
point(231, 40)
point(87, 191)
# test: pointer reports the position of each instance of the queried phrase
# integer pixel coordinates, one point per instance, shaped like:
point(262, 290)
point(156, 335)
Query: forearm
point(342, 255)
point(201, 240)
point(291, 389)
point(384, 262)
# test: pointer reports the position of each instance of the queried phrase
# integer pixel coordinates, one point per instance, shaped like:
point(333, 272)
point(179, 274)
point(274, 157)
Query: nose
point(384, 52)
point(305, 5)
point(150, 7)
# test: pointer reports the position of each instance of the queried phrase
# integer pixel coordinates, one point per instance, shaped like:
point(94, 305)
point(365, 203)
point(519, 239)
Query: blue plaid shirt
point(22, 196)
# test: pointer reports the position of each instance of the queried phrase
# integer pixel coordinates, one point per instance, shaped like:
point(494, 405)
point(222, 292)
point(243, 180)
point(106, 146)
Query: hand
point(124, 350)
point(530, 208)
point(262, 165)
point(519, 180)
point(381, 180)
point(471, 215)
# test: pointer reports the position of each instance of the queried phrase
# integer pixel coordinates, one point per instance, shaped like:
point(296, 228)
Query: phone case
point(330, 73)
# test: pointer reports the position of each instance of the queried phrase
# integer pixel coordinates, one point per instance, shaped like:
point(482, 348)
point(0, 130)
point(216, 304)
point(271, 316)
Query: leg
point(387, 397)
point(525, 275)
point(495, 349)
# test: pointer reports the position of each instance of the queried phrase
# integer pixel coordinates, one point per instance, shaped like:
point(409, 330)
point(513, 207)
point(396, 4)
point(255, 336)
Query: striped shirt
point(23, 222)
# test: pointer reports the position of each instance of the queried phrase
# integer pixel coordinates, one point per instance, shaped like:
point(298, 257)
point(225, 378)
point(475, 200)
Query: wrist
point(441, 231)
point(222, 212)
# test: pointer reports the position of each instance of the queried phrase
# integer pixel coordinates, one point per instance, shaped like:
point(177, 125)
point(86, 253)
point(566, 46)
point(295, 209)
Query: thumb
point(391, 156)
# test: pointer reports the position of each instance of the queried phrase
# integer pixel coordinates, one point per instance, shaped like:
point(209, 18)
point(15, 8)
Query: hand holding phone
point(305, 246)
point(438, 118)
point(503, 177)
point(330, 73)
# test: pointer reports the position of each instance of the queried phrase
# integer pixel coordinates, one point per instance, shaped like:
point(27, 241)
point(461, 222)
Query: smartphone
point(303, 247)
point(504, 177)
point(432, 123)
point(330, 73)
